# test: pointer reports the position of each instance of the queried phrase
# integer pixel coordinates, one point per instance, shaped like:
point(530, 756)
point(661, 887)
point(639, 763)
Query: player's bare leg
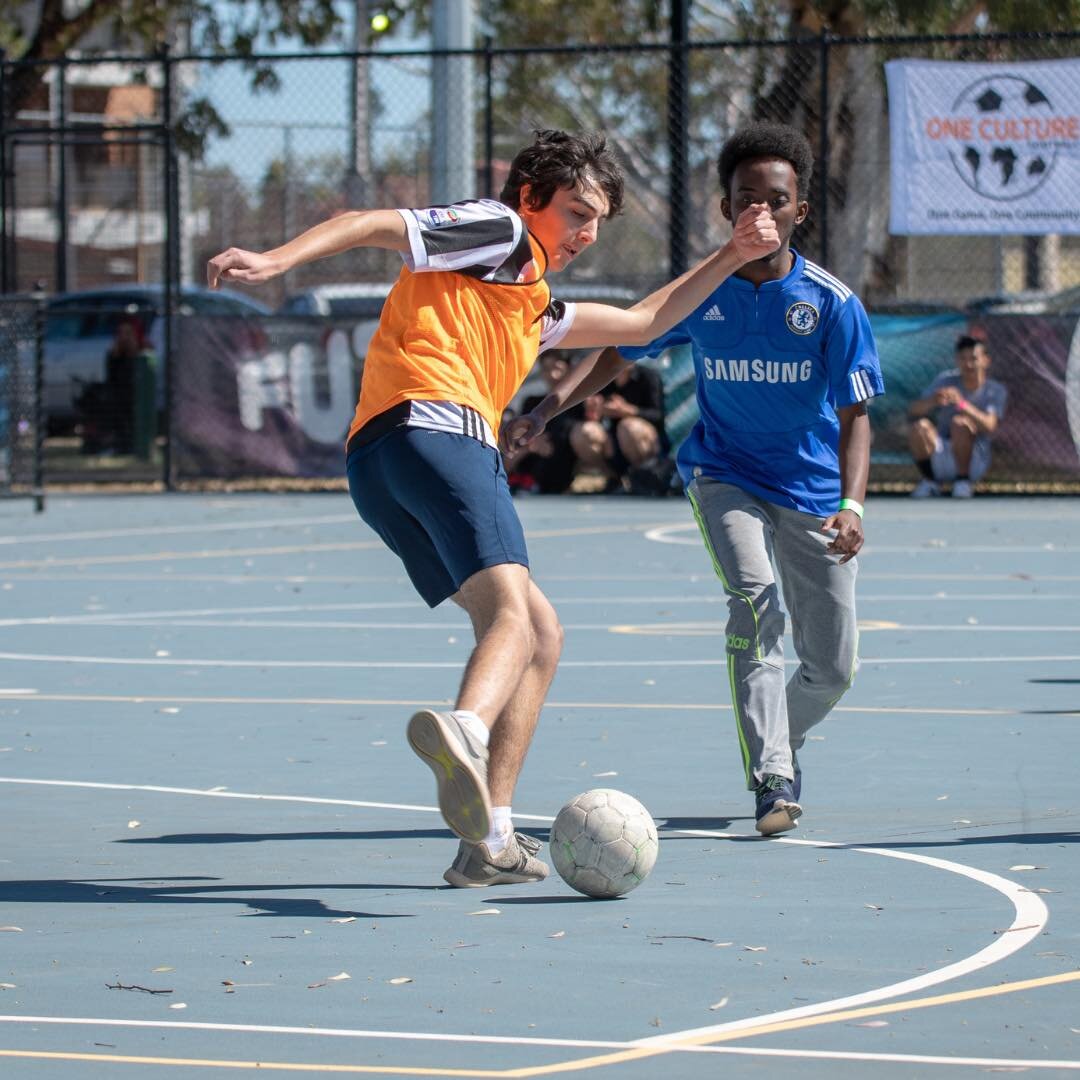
point(503, 856)
point(513, 730)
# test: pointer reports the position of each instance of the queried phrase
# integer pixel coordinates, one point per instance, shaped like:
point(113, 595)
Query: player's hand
point(618, 408)
point(849, 534)
point(947, 395)
point(755, 234)
point(235, 264)
point(519, 432)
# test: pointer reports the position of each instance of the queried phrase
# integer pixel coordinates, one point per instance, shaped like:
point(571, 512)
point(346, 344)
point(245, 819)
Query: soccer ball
point(603, 843)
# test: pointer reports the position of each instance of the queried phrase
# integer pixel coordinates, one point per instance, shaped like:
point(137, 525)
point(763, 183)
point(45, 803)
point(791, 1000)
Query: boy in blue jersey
point(776, 467)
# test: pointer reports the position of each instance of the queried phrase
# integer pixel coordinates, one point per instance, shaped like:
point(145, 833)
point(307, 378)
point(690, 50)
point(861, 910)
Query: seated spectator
point(547, 466)
point(108, 409)
point(622, 432)
point(954, 421)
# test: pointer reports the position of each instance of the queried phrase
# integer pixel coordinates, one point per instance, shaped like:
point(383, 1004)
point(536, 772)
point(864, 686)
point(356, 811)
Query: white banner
point(984, 148)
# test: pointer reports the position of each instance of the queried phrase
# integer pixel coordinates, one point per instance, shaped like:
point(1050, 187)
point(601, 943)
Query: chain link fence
point(21, 336)
point(136, 170)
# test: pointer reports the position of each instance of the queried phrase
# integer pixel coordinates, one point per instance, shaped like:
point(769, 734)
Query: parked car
point(363, 300)
point(80, 328)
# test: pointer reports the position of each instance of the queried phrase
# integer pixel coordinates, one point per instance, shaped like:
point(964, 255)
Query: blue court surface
point(220, 856)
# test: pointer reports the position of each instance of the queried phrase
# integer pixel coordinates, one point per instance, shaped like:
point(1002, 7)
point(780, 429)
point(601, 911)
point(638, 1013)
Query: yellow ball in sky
point(380, 22)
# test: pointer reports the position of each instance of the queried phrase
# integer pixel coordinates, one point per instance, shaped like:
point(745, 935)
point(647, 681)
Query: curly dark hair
point(559, 160)
point(767, 140)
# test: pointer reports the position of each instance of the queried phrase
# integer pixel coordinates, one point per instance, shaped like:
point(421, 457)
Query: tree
point(48, 30)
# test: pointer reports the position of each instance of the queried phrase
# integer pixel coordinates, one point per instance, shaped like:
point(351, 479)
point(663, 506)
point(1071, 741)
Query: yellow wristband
point(852, 504)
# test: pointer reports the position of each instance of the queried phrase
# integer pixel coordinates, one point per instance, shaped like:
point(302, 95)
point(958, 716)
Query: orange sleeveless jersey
point(446, 336)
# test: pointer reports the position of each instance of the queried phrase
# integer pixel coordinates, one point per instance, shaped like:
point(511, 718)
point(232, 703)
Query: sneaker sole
point(506, 877)
point(463, 797)
point(783, 816)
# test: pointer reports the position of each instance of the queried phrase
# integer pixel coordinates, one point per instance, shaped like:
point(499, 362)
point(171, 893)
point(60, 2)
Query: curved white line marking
point(1030, 921)
point(672, 534)
point(1031, 913)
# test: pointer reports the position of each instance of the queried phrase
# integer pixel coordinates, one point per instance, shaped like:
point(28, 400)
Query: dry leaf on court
point(598, 775)
point(1026, 866)
point(401, 980)
point(315, 986)
point(7, 986)
point(719, 1005)
point(347, 919)
point(134, 824)
point(178, 1005)
point(163, 967)
point(487, 911)
point(755, 948)
point(558, 933)
point(341, 976)
point(11, 930)
point(874, 907)
point(873, 1023)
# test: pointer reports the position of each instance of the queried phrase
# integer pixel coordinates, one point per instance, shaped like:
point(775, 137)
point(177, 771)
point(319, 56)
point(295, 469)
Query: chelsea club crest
point(802, 318)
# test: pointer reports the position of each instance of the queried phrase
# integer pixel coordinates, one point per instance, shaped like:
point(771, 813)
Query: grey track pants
point(749, 540)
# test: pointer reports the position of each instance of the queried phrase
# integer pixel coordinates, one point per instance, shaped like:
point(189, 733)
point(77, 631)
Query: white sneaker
point(459, 762)
point(926, 489)
point(962, 489)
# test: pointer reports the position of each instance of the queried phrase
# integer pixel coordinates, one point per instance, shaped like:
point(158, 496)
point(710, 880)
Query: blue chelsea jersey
point(773, 363)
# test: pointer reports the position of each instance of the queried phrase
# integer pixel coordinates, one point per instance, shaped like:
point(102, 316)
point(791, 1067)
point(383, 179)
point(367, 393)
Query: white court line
point(437, 665)
point(532, 1040)
point(176, 530)
point(684, 629)
point(672, 534)
point(1030, 918)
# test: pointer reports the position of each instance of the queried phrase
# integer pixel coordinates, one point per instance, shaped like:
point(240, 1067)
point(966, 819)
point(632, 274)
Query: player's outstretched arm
point(754, 237)
point(584, 379)
point(354, 228)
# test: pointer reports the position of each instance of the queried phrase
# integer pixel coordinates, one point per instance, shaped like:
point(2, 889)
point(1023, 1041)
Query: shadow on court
point(113, 892)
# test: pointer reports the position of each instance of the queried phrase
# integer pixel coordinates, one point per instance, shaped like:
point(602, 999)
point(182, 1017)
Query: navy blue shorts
point(441, 503)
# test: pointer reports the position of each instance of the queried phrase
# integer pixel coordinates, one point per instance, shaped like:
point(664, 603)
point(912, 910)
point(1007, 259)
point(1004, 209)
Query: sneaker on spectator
point(777, 808)
point(926, 489)
point(962, 489)
point(459, 762)
point(516, 864)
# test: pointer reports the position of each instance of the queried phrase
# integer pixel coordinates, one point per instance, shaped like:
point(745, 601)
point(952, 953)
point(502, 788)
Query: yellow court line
point(140, 699)
point(636, 1053)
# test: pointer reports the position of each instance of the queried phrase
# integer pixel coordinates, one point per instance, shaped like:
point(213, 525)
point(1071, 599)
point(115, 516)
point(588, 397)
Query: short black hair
point(966, 341)
point(557, 160)
point(766, 139)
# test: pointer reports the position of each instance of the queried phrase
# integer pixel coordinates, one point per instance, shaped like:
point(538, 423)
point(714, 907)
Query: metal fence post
point(61, 271)
point(678, 143)
point(170, 267)
point(39, 403)
point(823, 148)
point(5, 270)
point(489, 121)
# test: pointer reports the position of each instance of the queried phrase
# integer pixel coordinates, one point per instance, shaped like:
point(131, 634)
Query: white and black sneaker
point(459, 762)
point(516, 864)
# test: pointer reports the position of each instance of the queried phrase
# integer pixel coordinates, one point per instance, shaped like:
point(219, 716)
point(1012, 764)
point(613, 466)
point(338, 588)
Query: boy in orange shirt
point(459, 333)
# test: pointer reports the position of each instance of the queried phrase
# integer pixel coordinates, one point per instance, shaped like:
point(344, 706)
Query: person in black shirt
point(622, 430)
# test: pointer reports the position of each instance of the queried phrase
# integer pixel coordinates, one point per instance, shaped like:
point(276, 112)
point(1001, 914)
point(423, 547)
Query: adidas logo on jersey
point(714, 314)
